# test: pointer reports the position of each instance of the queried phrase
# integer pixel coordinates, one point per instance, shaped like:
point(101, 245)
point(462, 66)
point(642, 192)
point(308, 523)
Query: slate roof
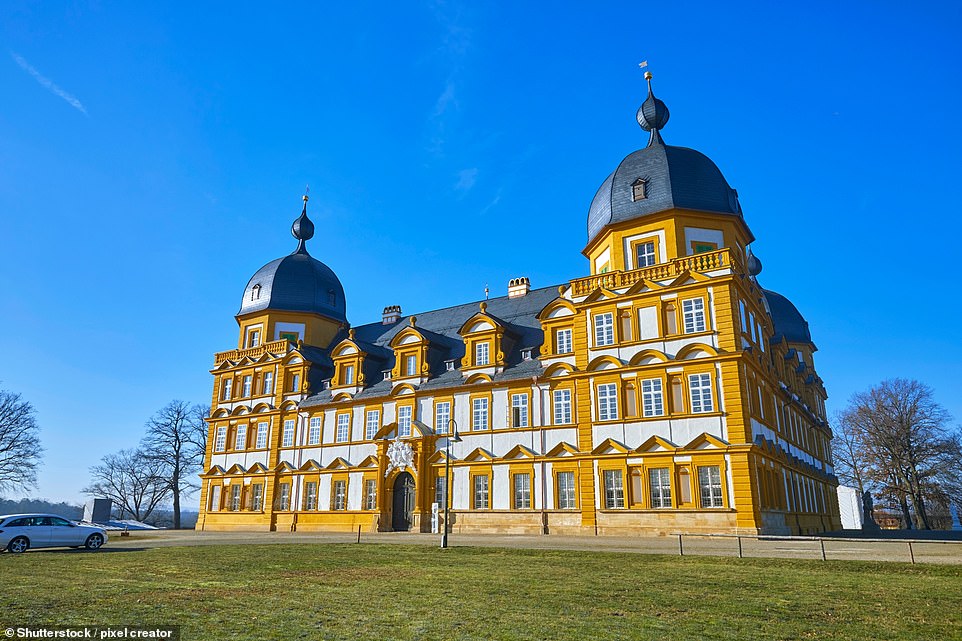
point(675, 177)
point(296, 283)
point(788, 320)
point(522, 331)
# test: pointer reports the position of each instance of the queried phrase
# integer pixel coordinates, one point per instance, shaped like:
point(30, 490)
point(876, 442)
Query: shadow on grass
point(73, 551)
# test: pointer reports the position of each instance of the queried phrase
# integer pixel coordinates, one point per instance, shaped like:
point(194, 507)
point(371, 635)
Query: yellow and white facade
point(665, 392)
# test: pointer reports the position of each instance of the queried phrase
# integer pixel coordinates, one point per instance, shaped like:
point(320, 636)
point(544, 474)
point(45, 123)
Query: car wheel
point(94, 541)
point(18, 545)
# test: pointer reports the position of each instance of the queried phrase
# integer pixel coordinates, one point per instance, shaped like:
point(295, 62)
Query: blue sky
point(153, 156)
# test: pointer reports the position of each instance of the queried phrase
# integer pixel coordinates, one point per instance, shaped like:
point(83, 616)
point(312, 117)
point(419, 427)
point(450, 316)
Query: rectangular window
point(645, 252)
point(370, 494)
point(220, 440)
point(439, 490)
point(479, 416)
point(261, 441)
point(240, 440)
point(372, 423)
point(247, 387)
point(614, 490)
point(442, 417)
point(255, 338)
point(481, 355)
point(268, 383)
point(562, 340)
point(411, 365)
point(284, 500)
point(607, 402)
point(741, 308)
point(310, 495)
point(339, 495)
point(693, 310)
point(653, 403)
point(659, 480)
point(314, 431)
point(519, 410)
point(343, 428)
point(709, 480)
point(566, 490)
point(290, 336)
point(257, 497)
point(604, 329)
point(235, 498)
point(288, 439)
point(296, 383)
point(562, 407)
point(699, 388)
point(404, 421)
point(522, 491)
point(228, 386)
point(348, 374)
point(481, 492)
point(215, 497)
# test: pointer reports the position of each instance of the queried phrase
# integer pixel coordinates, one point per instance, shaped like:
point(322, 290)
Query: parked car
point(18, 532)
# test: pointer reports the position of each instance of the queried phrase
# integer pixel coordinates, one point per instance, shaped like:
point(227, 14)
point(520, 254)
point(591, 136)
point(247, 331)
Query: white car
point(18, 532)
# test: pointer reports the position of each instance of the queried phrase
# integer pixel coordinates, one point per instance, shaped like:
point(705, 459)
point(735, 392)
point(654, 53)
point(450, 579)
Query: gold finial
point(648, 75)
point(350, 333)
point(484, 306)
point(413, 320)
point(307, 190)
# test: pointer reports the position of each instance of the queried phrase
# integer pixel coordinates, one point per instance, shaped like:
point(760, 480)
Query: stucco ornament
point(400, 455)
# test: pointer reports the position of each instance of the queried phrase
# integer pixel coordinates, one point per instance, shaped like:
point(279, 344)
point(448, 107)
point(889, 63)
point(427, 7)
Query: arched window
point(638, 191)
point(255, 292)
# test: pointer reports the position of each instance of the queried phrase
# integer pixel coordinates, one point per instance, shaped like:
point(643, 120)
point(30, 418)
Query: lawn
point(374, 591)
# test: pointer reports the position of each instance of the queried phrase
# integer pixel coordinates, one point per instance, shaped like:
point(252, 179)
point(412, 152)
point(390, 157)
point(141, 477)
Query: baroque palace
point(667, 391)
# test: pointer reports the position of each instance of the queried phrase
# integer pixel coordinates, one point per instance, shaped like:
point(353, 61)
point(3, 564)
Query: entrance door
point(403, 502)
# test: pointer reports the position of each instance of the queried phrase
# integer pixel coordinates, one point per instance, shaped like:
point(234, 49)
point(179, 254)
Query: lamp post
point(451, 438)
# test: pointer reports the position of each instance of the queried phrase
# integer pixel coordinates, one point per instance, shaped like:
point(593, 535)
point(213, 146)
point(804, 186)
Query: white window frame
point(343, 432)
point(614, 484)
point(228, 388)
point(648, 256)
point(442, 416)
point(310, 495)
point(314, 431)
point(481, 492)
point(220, 439)
point(709, 486)
point(372, 422)
point(607, 401)
point(482, 353)
point(566, 490)
point(240, 437)
point(519, 410)
point(521, 494)
point(288, 438)
point(659, 486)
point(348, 374)
point(268, 387)
point(700, 393)
point(370, 494)
point(411, 365)
point(260, 441)
point(246, 389)
point(479, 414)
point(562, 406)
point(339, 495)
point(284, 501)
point(404, 420)
point(604, 329)
point(693, 313)
point(563, 341)
point(652, 397)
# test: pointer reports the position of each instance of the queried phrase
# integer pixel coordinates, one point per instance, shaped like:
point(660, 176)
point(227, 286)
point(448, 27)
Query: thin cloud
point(466, 179)
point(48, 84)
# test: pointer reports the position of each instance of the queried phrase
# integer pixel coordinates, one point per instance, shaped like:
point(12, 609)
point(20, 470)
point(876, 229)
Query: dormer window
point(449, 366)
point(254, 339)
point(255, 292)
point(411, 365)
point(526, 354)
point(638, 191)
point(481, 353)
point(387, 374)
point(348, 374)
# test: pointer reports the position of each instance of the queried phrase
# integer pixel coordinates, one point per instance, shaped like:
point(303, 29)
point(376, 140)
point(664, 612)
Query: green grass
point(413, 592)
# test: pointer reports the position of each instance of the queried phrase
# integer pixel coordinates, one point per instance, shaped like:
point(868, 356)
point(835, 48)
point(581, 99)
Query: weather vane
point(307, 190)
point(644, 65)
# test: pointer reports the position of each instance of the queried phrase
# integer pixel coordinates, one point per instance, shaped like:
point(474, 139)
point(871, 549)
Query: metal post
point(739, 547)
point(452, 436)
point(358, 533)
point(681, 547)
point(911, 553)
point(821, 542)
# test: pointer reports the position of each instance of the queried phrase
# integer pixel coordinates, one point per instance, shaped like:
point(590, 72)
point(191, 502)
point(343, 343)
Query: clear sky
point(153, 156)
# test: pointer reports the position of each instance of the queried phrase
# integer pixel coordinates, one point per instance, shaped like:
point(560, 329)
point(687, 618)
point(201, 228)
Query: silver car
point(18, 532)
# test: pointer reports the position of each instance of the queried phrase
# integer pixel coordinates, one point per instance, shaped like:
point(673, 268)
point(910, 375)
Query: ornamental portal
point(403, 512)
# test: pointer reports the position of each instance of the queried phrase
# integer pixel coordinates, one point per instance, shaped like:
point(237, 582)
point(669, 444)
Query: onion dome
point(658, 178)
point(754, 264)
point(296, 283)
point(788, 321)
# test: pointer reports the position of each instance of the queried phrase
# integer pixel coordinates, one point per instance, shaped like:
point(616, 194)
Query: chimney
point(391, 315)
point(518, 287)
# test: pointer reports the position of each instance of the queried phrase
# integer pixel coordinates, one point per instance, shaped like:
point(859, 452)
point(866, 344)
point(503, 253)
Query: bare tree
point(135, 482)
point(177, 437)
point(19, 443)
point(896, 441)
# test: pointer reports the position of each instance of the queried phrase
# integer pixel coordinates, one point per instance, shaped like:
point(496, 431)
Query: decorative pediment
point(284, 466)
point(480, 322)
point(403, 389)
point(648, 357)
point(219, 413)
point(696, 350)
point(339, 463)
point(600, 293)
point(346, 347)
point(216, 470)
point(603, 363)
point(563, 449)
point(479, 377)
point(557, 308)
point(479, 454)
point(257, 468)
point(288, 406)
point(705, 441)
point(518, 452)
point(656, 444)
point(610, 446)
point(688, 277)
point(644, 285)
point(558, 369)
point(408, 336)
point(237, 468)
point(310, 465)
point(240, 410)
point(262, 407)
point(440, 456)
point(370, 461)
point(341, 397)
